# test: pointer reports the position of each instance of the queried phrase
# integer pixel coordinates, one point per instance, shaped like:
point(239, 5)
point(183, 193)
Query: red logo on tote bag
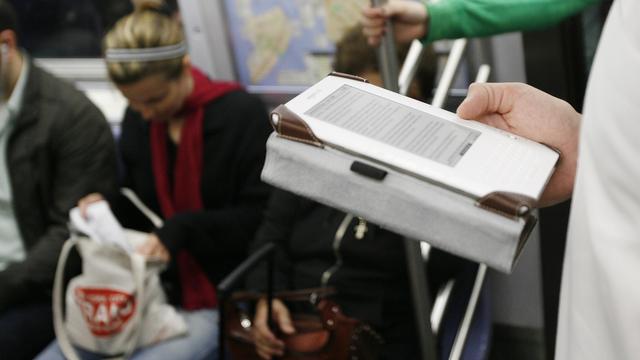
point(106, 311)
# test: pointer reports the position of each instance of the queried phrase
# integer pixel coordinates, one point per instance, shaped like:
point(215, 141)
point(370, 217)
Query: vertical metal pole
point(270, 261)
point(410, 66)
point(388, 64)
point(421, 299)
point(449, 72)
point(387, 54)
point(415, 261)
point(461, 337)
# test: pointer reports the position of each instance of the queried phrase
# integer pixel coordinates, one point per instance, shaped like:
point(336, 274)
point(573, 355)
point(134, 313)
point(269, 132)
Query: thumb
point(477, 102)
point(390, 9)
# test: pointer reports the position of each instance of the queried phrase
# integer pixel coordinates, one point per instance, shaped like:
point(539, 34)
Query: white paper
point(428, 142)
point(100, 225)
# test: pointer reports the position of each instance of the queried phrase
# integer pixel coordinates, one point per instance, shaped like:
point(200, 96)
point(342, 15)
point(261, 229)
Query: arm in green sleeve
point(451, 19)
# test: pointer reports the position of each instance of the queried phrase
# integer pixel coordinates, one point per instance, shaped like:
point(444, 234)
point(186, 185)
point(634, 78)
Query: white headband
point(146, 54)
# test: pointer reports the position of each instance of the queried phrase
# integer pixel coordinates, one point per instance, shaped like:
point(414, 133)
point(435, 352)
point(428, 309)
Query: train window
point(66, 28)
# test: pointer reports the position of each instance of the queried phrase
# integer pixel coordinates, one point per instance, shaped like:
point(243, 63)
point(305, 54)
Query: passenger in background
point(354, 56)
point(452, 19)
point(368, 270)
point(55, 147)
point(192, 149)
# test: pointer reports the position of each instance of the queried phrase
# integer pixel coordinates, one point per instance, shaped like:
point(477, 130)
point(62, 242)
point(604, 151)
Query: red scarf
point(197, 291)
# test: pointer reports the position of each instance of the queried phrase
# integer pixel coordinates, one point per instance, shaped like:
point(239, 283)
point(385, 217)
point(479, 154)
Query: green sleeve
point(451, 19)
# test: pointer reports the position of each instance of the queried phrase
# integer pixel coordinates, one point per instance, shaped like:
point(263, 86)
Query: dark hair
point(8, 18)
point(354, 56)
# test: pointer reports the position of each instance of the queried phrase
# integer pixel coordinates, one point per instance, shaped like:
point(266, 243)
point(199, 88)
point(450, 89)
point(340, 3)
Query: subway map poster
point(287, 42)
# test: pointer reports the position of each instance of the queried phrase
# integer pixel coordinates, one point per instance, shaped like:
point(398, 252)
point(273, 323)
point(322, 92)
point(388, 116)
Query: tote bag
point(117, 304)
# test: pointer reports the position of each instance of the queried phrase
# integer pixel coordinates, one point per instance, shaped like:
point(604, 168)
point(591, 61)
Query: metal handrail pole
point(461, 336)
point(388, 64)
point(449, 72)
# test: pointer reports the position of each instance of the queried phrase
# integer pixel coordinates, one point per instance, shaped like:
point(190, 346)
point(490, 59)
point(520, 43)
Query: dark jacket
point(373, 277)
point(235, 130)
point(372, 283)
point(61, 149)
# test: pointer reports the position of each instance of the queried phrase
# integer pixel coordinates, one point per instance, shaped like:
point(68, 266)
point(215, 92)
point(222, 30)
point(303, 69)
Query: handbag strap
point(138, 265)
point(58, 323)
point(135, 200)
point(337, 242)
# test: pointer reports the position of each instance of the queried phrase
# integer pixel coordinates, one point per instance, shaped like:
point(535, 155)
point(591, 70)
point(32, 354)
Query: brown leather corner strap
point(348, 76)
point(291, 126)
point(508, 204)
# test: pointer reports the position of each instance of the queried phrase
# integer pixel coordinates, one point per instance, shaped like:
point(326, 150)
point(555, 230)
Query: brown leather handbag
point(324, 334)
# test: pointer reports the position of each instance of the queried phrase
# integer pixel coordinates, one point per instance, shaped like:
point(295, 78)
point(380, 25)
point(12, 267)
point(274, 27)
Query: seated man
point(55, 147)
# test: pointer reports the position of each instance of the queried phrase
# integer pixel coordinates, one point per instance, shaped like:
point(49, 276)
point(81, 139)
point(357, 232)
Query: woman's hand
point(153, 248)
point(84, 203)
point(526, 111)
point(267, 344)
point(409, 21)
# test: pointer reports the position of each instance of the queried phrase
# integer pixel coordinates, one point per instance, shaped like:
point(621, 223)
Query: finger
point(144, 249)
point(268, 349)
point(262, 330)
point(373, 42)
point(147, 248)
point(287, 326)
point(161, 255)
point(283, 318)
point(373, 23)
point(266, 352)
point(156, 248)
point(156, 252)
point(373, 31)
point(482, 100)
point(370, 13)
point(84, 203)
point(266, 337)
point(392, 8)
point(164, 255)
point(262, 353)
point(374, 37)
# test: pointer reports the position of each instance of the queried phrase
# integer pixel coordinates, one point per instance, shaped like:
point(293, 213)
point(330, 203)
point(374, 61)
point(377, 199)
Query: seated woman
point(318, 246)
point(192, 149)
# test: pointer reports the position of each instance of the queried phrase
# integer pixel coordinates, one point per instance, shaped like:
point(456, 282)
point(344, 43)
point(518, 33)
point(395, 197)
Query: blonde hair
point(146, 27)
